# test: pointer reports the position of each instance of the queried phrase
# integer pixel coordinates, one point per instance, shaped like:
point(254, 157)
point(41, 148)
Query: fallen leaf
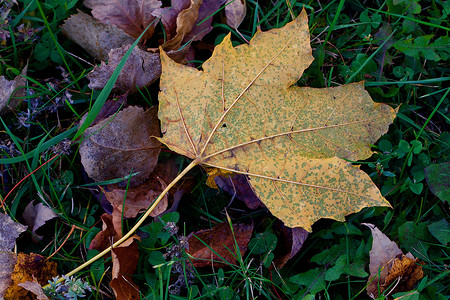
point(110, 108)
point(93, 36)
point(438, 180)
point(238, 186)
point(35, 288)
point(122, 144)
point(291, 239)
point(11, 93)
point(222, 241)
point(241, 114)
point(168, 16)
point(35, 217)
point(204, 20)
point(9, 232)
point(187, 20)
point(235, 11)
point(30, 267)
point(387, 264)
point(132, 16)
point(138, 199)
point(140, 70)
point(109, 234)
point(124, 257)
point(125, 260)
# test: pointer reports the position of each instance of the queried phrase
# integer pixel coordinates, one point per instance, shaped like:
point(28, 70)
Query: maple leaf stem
point(135, 227)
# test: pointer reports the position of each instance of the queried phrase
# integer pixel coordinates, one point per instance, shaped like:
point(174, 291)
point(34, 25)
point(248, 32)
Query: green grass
point(352, 41)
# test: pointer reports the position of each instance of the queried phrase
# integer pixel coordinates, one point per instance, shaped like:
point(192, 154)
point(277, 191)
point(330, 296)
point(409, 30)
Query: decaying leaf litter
point(252, 142)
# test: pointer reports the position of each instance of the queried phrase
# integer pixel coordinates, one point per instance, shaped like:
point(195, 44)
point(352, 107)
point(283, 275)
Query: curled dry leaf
point(205, 16)
point(242, 113)
point(110, 233)
point(389, 264)
point(168, 16)
point(35, 217)
point(122, 144)
point(291, 240)
point(10, 92)
point(125, 260)
point(235, 11)
point(30, 267)
point(222, 241)
point(124, 257)
point(93, 36)
point(141, 69)
point(9, 232)
point(185, 22)
point(132, 16)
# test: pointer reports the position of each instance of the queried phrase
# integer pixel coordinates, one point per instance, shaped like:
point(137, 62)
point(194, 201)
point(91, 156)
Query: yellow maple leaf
point(241, 113)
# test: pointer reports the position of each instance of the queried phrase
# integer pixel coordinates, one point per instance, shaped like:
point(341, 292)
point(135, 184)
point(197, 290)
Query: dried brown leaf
point(11, 95)
point(122, 144)
point(138, 199)
point(35, 217)
point(107, 235)
point(221, 240)
point(9, 232)
point(185, 22)
point(140, 70)
point(132, 16)
point(124, 257)
point(404, 274)
point(35, 288)
point(291, 241)
point(235, 11)
point(388, 263)
point(124, 260)
point(168, 16)
point(205, 16)
point(93, 36)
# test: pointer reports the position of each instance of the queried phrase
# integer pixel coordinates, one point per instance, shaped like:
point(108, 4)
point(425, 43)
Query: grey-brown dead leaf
point(93, 36)
point(389, 264)
point(141, 69)
point(122, 144)
point(10, 92)
point(235, 11)
point(132, 16)
point(35, 288)
point(9, 232)
point(35, 216)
